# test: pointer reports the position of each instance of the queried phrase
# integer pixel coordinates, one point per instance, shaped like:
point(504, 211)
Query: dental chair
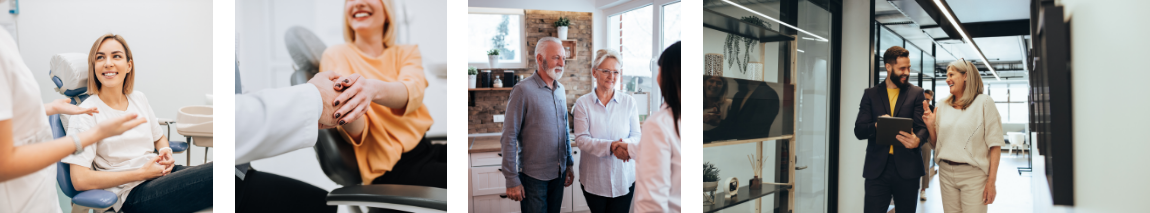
point(337, 157)
point(69, 72)
point(66, 72)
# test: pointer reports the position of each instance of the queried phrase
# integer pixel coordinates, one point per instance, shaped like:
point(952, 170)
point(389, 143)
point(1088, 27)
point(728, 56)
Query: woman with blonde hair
point(28, 154)
point(606, 121)
point(385, 84)
point(138, 165)
point(966, 132)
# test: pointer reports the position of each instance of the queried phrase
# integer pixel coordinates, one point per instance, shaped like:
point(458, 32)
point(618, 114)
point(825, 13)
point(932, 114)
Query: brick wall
point(577, 76)
point(576, 79)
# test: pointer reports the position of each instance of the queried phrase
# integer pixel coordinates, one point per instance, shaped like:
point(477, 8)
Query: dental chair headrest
point(69, 73)
point(305, 50)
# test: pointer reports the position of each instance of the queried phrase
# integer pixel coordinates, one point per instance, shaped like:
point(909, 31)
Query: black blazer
point(909, 105)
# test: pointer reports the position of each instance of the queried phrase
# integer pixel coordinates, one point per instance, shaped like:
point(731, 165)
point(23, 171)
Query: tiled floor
point(1014, 194)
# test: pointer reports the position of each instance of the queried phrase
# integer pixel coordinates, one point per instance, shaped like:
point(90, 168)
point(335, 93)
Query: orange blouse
point(389, 132)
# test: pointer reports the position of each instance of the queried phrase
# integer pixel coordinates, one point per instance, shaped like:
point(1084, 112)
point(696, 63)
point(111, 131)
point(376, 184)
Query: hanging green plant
point(735, 45)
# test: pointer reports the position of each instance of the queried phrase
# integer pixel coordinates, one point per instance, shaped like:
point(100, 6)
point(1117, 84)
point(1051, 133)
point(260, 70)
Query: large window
point(495, 29)
point(671, 30)
point(630, 33)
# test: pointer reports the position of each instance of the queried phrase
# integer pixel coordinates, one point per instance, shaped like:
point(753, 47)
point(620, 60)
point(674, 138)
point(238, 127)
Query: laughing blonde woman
point(966, 132)
point(385, 84)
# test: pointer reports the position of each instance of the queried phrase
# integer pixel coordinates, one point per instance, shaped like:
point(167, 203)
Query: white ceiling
point(970, 11)
point(1005, 48)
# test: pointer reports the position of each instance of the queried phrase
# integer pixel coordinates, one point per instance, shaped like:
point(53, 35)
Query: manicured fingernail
point(336, 103)
point(337, 115)
point(341, 122)
point(339, 86)
point(345, 80)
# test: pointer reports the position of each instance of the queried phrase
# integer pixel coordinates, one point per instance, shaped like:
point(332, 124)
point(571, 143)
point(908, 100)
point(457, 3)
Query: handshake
point(344, 98)
point(619, 149)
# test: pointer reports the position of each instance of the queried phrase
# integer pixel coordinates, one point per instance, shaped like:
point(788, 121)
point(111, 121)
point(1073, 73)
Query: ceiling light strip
point(969, 41)
point(773, 19)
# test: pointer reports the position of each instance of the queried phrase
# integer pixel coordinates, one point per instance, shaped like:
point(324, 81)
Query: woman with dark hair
point(658, 154)
point(715, 105)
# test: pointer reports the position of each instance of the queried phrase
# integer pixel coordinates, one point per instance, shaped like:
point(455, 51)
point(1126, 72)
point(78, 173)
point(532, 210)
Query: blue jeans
point(186, 189)
point(541, 195)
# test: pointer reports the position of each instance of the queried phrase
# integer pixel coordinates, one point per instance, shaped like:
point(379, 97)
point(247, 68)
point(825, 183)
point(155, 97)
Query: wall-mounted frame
point(1050, 98)
point(569, 47)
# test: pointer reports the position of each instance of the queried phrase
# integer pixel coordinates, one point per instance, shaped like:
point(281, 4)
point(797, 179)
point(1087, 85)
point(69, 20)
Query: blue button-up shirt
point(535, 140)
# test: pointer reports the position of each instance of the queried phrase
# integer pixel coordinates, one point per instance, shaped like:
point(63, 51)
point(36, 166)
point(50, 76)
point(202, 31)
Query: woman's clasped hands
point(344, 98)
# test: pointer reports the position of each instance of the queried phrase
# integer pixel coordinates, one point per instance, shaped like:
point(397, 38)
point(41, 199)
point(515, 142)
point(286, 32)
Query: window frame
point(655, 95)
point(522, 35)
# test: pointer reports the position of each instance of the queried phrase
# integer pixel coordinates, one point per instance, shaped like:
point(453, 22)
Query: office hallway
point(1014, 191)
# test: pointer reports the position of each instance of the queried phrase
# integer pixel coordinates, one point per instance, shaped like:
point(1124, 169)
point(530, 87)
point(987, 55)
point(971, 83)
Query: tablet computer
point(888, 128)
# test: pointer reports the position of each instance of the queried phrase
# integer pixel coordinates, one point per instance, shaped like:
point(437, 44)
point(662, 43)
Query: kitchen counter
point(487, 142)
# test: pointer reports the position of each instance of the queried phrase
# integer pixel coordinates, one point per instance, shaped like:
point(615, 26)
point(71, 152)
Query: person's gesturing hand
point(116, 126)
point(355, 99)
point(927, 114)
point(327, 91)
point(64, 106)
point(988, 193)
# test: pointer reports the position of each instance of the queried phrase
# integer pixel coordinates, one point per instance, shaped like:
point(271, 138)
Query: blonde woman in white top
point(606, 119)
point(966, 132)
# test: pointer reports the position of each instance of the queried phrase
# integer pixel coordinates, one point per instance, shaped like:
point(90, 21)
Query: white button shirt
point(596, 127)
point(659, 171)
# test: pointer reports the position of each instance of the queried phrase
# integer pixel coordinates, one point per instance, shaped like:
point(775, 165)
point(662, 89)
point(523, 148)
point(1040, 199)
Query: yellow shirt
point(389, 132)
point(892, 94)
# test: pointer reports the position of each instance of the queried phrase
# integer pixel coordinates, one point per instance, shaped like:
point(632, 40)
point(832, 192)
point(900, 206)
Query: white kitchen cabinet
point(488, 187)
point(495, 204)
point(487, 180)
point(469, 205)
point(579, 203)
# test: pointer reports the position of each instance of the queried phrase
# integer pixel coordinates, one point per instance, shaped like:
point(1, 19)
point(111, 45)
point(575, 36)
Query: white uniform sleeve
point(276, 121)
point(6, 91)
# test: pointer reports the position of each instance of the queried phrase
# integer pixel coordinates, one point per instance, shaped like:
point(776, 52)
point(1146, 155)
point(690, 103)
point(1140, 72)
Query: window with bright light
point(671, 30)
point(495, 31)
point(631, 34)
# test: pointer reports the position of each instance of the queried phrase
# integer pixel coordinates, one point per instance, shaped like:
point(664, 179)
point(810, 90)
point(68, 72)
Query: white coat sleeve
point(272, 122)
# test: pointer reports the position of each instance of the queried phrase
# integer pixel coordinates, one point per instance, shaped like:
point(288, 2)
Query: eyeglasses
point(607, 71)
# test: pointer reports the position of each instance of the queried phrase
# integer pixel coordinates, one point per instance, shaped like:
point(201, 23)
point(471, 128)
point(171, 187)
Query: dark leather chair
point(337, 157)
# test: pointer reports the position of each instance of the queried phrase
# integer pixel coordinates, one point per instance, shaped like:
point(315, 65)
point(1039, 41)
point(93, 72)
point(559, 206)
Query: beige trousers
point(962, 187)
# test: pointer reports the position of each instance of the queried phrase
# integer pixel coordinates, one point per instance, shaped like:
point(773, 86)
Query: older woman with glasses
point(606, 121)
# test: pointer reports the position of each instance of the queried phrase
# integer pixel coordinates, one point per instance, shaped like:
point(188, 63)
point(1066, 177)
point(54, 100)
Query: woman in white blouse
point(605, 121)
point(966, 132)
point(659, 171)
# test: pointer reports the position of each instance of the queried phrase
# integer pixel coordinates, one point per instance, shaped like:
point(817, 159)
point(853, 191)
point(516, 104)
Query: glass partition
point(766, 97)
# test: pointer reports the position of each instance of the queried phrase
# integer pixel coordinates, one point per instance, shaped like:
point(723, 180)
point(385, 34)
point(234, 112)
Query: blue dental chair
point(99, 200)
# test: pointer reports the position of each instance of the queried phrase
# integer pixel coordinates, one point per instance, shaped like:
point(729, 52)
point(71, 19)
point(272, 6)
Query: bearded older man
point(535, 134)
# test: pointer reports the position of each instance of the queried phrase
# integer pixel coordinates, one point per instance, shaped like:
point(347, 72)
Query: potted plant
point(472, 72)
point(710, 182)
point(562, 24)
point(493, 57)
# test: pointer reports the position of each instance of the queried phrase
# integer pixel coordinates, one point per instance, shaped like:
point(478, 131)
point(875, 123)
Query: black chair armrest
point(390, 196)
